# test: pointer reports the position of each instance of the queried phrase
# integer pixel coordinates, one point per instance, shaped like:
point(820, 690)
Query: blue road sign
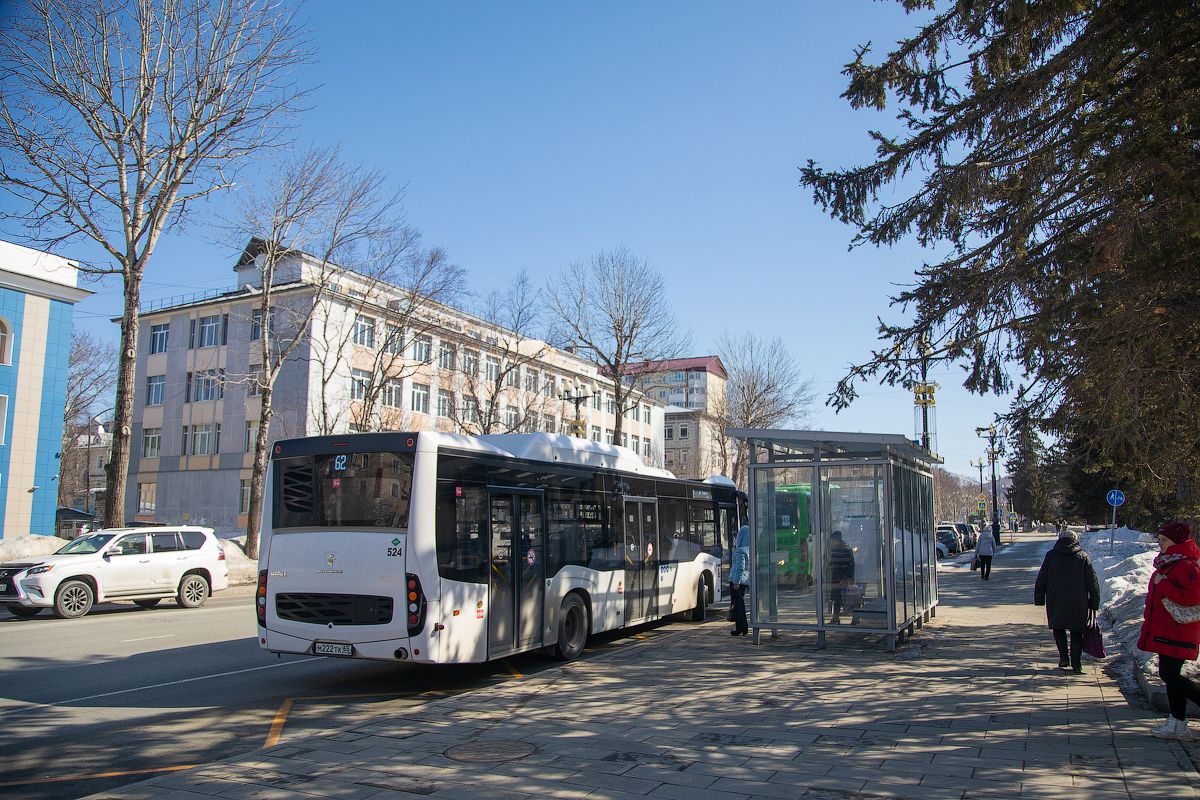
point(1115, 497)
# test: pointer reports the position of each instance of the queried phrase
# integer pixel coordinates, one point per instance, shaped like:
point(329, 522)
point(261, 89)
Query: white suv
point(144, 565)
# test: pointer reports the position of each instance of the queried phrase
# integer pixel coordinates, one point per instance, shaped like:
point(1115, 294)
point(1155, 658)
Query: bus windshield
point(343, 490)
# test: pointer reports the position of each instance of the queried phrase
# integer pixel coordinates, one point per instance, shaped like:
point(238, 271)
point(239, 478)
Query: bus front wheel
point(572, 628)
point(701, 602)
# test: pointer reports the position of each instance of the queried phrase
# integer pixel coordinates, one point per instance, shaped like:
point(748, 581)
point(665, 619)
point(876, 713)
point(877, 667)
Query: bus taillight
point(414, 604)
point(260, 598)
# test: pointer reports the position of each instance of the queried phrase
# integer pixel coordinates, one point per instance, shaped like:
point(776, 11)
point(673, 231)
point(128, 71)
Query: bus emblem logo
point(396, 542)
point(330, 559)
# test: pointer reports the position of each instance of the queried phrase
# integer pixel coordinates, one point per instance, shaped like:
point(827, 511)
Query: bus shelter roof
point(784, 445)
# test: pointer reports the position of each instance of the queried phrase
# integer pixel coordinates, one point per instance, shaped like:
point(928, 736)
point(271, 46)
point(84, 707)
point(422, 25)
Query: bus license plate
point(332, 649)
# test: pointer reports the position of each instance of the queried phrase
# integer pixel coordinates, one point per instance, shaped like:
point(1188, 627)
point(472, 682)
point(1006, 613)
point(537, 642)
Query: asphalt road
point(125, 693)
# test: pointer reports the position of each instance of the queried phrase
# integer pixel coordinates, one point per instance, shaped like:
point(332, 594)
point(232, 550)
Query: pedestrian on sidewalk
point(1066, 585)
point(985, 548)
point(840, 574)
point(1176, 579)
point(739, 581)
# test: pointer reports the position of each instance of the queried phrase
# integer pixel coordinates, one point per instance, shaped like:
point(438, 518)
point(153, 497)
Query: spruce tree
point(1057, 146)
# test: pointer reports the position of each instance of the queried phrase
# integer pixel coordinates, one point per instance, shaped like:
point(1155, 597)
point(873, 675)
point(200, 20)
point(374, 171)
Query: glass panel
point(784, 589)
point(899, 523)
point(851, 538)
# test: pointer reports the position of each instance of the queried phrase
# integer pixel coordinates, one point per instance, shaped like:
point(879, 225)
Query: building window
point(511, 417)
point(447, 357)
point(364, 330)
point(669, 433)
point(492, 369)
point(151, 442)
point(610, 403)
point(393, 389)
point(609, 435)
point(360, 379)
point(470, 410)
point(596, 400)
point(206, 385)
point(209, 331)
point(155, 387)
point(158, 338)
point(147, 493)
point(548, 424)
point(420, 397)
point(595, 433)
point(683, 431)
point(662, 394)
point(624, 439)
point(470, 362)
point(422, 349)
point(5, 342)
point(549, 385)
point(683, 454)
point(636, 443)
point(646, 414)
point(531, 380)
point(205, 439)
point(445, 406)
point(393, 340)
point(251, 436)
point(244, 506)
point(255, 383)
point(3, 418)
point(512, 375)
point(256, 327)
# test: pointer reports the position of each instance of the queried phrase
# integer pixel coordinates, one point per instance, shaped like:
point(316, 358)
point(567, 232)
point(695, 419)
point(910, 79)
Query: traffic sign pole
point(1115, 497)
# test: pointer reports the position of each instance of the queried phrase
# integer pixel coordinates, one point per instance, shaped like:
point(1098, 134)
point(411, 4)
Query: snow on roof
point(571, 450)
point(720, 480)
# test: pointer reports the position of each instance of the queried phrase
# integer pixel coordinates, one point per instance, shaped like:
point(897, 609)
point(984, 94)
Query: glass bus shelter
point(842, 533)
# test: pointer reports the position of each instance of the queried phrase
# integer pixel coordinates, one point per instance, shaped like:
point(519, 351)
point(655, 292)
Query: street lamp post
point(982, 460)
point(991, 434)
point(578, 395)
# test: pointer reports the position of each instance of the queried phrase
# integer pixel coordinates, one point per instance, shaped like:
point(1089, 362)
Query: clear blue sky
point(531, 135)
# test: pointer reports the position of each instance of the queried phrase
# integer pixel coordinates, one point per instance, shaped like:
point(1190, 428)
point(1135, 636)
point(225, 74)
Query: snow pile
point(242, 570)
point(20, 548)
point(1124, 562)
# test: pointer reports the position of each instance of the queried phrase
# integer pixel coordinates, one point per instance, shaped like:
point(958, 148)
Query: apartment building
point(37, 294)
point(694, 390)
point(369, 356)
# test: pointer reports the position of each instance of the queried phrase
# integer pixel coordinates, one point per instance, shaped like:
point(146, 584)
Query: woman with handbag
point(1171, 621)
point(739, 581)
point(1067, 586)
point(985, 548)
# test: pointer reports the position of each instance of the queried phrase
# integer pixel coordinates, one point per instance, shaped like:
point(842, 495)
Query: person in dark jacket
point(841, 573)
point(1176, 581)
point(1067, 586)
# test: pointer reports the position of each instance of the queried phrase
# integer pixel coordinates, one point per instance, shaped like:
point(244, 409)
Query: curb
point(1156, 693)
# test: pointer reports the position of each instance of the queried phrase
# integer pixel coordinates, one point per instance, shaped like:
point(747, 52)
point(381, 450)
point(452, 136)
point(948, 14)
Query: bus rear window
point(343, 490)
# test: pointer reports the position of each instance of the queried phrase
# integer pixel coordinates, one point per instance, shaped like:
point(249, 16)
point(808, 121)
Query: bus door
point(642, 555)
point(729, 529)
point(516, 573)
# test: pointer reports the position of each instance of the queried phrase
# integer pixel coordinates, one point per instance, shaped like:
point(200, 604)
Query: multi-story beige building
point(369, 356)
point(694, 390)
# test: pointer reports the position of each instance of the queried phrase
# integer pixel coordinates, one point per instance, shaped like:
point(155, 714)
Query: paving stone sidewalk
point(972, 707)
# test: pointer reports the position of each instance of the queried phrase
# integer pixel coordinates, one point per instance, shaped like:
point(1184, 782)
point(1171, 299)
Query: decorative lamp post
point(578, 394)
point(993, 450)
point(980, 463)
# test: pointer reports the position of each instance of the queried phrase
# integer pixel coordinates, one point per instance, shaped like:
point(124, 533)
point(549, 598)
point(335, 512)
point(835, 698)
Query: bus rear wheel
point(572, 628)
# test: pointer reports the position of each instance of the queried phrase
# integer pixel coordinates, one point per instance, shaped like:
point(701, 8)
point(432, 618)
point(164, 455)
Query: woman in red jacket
point(1176, 578)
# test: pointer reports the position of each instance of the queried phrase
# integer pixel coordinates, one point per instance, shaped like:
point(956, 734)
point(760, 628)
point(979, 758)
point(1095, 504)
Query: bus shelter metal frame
point(771, 449)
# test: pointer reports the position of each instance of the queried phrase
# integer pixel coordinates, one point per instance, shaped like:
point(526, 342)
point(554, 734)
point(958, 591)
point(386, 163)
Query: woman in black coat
point(1068, 588)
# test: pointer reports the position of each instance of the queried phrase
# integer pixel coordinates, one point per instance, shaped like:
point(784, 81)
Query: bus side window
point(460, 526)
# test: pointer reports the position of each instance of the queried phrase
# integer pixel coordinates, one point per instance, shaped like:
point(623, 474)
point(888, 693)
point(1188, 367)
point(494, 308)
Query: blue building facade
point(37, 294)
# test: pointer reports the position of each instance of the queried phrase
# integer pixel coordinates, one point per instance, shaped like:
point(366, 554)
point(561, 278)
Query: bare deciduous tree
point(89, 388)
point(116, 114)
point(504, 394)
point(329, 218)
point(765, 390)
point(613, 309)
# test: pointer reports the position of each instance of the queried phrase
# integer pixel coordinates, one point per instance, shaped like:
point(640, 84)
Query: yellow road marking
point(515, 674)
point(98, 775)
point(277, 725)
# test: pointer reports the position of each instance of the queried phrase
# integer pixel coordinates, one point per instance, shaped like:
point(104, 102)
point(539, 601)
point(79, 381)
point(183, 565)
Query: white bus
point(439, 548)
